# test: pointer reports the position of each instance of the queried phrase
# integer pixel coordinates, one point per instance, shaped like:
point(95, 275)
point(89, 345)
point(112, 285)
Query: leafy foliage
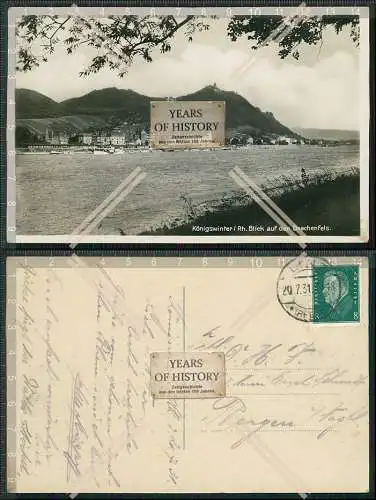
point(288, 33)
point(118, 40)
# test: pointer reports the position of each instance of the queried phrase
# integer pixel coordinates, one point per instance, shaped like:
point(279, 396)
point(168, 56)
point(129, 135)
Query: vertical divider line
point(184, 401)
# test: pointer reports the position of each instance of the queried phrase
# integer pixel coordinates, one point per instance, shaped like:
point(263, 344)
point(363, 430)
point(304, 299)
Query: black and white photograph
point(210, 125)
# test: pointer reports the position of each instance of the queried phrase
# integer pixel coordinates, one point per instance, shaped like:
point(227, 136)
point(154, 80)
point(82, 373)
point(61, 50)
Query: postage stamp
point(312, 289)
point(335, 294)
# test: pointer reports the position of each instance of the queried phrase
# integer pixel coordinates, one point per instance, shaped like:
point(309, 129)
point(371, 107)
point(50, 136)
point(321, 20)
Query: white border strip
point(68, 238)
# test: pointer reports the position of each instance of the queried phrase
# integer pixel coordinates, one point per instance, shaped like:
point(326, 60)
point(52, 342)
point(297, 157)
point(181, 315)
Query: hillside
point(240, 114)
point(32, 104)
point(112, 106)
point(78, 123)
point(327, 134)
point(111, 102)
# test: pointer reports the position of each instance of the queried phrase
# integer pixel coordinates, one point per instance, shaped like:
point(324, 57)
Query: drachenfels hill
point(111, 106)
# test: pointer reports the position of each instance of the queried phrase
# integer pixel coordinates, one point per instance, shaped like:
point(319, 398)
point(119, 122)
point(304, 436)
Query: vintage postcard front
point(187, 374)
point(188, 124)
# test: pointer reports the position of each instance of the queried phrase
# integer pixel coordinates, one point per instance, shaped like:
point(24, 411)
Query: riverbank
point(328, 204)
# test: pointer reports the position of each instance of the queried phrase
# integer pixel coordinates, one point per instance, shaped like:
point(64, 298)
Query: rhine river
point(55, 193)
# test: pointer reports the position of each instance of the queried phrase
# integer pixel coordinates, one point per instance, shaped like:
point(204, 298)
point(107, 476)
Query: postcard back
point(188, 375)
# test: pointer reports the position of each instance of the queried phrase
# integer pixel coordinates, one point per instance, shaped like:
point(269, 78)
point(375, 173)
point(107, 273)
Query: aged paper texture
point(81, 414)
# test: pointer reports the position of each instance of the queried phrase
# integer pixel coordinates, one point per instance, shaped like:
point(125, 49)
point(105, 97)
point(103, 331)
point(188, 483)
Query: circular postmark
point(295, 286)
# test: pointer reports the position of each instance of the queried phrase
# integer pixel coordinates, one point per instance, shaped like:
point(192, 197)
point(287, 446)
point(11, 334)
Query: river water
point(55, 193)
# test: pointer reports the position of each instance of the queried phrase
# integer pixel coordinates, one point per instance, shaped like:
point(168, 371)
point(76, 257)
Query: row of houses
point(119, 136)
point(244, 139)
point(115, 137)
point(56, 137)
point(134, 135)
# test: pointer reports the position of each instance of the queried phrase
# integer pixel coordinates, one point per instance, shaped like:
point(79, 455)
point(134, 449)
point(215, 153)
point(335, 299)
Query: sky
point(321, 90)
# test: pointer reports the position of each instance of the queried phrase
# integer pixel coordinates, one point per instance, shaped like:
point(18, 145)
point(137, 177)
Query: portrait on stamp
point(335, 291)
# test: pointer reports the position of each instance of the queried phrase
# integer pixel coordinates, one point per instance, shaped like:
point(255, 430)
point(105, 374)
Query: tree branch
point(59, 28)
point(171, 32)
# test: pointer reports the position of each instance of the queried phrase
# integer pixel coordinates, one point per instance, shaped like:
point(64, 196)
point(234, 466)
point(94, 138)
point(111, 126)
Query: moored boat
point(101, 151)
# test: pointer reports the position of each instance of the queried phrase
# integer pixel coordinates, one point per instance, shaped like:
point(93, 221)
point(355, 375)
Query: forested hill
point(111, 106)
